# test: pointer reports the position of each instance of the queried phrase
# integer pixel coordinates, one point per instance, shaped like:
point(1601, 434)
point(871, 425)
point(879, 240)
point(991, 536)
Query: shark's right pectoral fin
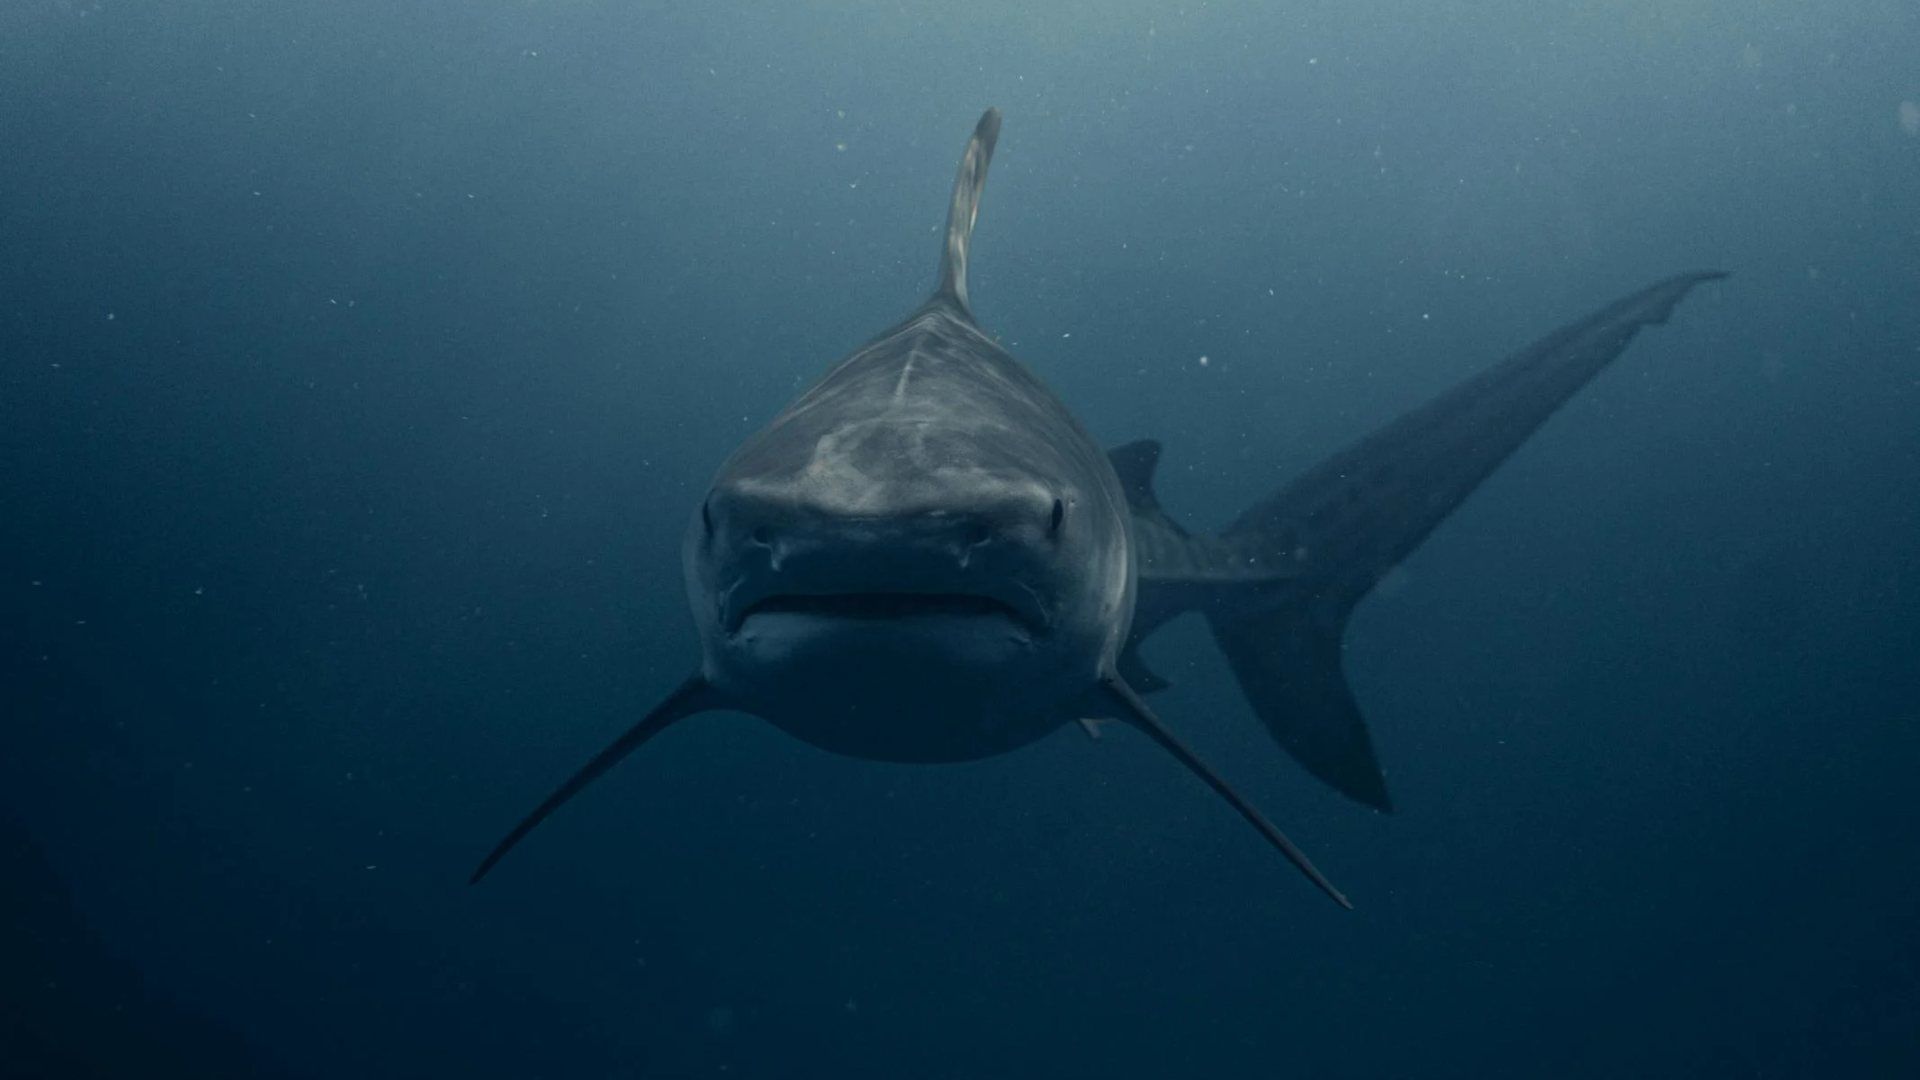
point(1130, 707)
point(696, 695)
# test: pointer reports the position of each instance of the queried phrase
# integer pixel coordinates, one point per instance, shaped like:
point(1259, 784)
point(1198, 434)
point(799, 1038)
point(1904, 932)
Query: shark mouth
point(879, 606)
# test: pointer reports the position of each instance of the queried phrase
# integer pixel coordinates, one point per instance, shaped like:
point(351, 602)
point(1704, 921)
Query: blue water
point(361, 362)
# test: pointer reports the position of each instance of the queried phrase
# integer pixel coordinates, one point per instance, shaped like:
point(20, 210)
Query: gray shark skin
point(925, 557)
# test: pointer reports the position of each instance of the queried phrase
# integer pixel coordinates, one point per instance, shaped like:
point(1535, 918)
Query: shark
point(925, 557)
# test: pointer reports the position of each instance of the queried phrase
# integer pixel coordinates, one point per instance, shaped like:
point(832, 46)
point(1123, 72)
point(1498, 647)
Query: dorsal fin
point(965, 208)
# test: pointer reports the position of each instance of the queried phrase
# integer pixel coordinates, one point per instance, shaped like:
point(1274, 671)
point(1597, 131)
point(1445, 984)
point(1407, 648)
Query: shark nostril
point(762, 535)
point(1059, 517)
point(978, 533)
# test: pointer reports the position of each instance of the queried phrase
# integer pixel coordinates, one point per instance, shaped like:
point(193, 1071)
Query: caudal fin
point(1288, 665)
point(1307, 554)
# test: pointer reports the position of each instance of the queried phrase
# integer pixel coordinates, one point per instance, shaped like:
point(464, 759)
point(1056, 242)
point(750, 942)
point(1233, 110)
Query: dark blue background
point(360, 363)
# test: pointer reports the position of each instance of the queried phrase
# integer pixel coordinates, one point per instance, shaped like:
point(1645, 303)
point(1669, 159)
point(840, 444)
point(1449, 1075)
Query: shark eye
point(1059, 515)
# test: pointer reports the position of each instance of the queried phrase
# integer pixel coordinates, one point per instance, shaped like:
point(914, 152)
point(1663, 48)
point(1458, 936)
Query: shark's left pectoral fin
point(1135, 711)
point(696, 695)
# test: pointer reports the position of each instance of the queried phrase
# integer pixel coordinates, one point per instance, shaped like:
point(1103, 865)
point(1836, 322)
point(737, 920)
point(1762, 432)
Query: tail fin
point(1312, 550)
point(965, 208)
point(1288, 665)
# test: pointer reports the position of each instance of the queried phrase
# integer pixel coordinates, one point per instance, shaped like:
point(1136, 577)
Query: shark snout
point(872, 548)
point(953, 520)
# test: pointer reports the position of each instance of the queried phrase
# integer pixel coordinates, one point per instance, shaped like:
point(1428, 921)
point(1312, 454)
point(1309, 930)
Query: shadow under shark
point(926, 558)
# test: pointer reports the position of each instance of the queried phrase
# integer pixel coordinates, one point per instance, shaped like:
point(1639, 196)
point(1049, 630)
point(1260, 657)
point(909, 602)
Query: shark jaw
point(884, 673)
point(828, 611)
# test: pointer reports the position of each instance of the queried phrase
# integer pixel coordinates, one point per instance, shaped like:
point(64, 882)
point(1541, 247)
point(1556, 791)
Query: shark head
point(921, 559)
point(924, 557)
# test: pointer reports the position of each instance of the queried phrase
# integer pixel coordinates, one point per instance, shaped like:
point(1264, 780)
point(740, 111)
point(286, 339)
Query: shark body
point(926, 558)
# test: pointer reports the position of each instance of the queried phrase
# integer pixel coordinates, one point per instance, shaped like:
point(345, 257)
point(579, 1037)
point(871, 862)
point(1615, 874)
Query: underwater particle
point(1910, 117)
point(1204, 361)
